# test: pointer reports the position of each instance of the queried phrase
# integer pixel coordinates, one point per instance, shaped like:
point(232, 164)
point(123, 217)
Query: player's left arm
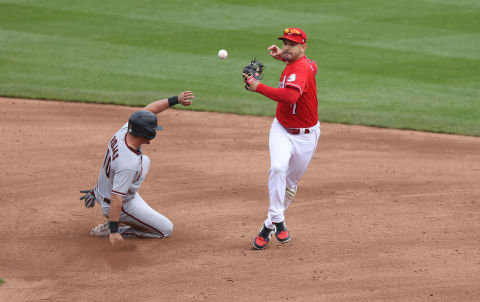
point(289, 95)
point(294, 85)
point(114, 215)
point(185, 98)
point(122, 181)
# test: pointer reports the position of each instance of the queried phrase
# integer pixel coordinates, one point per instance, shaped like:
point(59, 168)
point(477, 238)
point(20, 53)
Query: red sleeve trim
point(119, 193)
point(281, 95)
point(295, 86)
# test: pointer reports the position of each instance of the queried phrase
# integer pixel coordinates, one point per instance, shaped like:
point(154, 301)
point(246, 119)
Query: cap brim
point(290, 39)
point(158, 127)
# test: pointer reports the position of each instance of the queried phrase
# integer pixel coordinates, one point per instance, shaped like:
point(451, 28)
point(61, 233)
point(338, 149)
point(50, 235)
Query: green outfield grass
point(405, 64)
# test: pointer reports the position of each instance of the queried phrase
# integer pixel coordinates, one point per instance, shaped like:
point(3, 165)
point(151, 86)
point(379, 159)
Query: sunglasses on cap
point(294, 34)
point(292, 31)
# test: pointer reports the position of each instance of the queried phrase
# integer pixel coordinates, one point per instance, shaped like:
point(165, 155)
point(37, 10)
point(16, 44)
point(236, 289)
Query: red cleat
point(281, 233)
point(263, 238)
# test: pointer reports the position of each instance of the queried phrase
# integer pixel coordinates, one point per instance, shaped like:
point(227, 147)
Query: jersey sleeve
point(297, 79)
point(122, 181)
point(281, 95)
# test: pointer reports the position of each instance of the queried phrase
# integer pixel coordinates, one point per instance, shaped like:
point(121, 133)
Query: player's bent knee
point(167, 229)
point(278, 169)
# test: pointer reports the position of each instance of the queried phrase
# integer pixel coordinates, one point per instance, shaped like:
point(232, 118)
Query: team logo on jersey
point(292, 78)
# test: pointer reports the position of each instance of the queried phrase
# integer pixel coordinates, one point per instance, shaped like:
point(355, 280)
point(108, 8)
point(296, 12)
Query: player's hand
point(116, 239)
point(186, 98)
point(89, 198)
point(120, 244)
point(276, 52)
point(251, 82)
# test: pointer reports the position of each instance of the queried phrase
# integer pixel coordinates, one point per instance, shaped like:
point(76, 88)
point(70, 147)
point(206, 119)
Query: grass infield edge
point(235, 113)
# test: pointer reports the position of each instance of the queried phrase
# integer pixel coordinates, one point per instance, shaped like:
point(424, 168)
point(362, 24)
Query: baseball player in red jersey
point(294, 133)
point(122, 172)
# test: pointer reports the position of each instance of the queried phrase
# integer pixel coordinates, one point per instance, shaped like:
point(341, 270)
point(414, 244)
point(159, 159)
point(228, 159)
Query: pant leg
point(145, 221)
point(281, 150)
point(304, 147)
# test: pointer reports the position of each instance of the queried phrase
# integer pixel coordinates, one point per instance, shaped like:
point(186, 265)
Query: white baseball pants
point(289, 158)
point(144, 221)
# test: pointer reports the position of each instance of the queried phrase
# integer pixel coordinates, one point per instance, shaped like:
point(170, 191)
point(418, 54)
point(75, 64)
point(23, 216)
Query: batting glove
point(89, 198)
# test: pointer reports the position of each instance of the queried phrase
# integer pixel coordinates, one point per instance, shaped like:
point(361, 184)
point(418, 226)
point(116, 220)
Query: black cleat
point(263, 238)
point(281, 233)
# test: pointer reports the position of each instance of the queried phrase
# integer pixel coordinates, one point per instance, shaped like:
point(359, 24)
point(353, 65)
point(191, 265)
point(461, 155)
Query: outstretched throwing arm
point(185, 98)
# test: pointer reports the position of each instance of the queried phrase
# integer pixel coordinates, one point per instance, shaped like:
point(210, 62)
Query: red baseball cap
point(295, 35)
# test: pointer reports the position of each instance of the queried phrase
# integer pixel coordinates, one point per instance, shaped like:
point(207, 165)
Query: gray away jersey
point(123, 169)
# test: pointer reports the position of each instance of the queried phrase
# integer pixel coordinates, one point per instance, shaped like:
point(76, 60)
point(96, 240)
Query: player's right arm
point(276, 52)
point(185, 98)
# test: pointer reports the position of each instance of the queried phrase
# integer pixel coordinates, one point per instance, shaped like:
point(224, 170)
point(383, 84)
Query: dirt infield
point(381, 215)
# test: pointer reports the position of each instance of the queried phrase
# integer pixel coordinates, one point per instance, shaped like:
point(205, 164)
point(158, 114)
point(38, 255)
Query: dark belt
point(296, 131)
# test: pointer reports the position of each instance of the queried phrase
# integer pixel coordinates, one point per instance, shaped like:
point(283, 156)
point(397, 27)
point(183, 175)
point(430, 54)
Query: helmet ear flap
point(143, 123)
point(151, 134)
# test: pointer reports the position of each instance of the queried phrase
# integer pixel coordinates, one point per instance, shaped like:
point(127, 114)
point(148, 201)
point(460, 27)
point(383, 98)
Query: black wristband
point(113, 226)
point(173, 101)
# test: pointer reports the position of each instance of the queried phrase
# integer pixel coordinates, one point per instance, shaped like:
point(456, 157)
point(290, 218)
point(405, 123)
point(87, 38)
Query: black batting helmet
point(143, 123)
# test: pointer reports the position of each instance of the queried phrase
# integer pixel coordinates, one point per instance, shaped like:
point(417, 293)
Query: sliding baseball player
point(123, 170)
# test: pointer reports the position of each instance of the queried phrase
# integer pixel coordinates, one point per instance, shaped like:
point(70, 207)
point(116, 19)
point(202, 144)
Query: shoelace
point(280, 228)
point(265, 233)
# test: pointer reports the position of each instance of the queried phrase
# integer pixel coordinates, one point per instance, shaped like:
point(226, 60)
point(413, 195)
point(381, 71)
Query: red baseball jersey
point(304, 113)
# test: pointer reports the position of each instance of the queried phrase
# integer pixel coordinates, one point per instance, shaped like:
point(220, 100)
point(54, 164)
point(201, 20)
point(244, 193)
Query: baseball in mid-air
point(222, 54)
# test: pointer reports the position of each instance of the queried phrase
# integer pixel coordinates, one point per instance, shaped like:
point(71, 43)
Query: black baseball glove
point(252, 72)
